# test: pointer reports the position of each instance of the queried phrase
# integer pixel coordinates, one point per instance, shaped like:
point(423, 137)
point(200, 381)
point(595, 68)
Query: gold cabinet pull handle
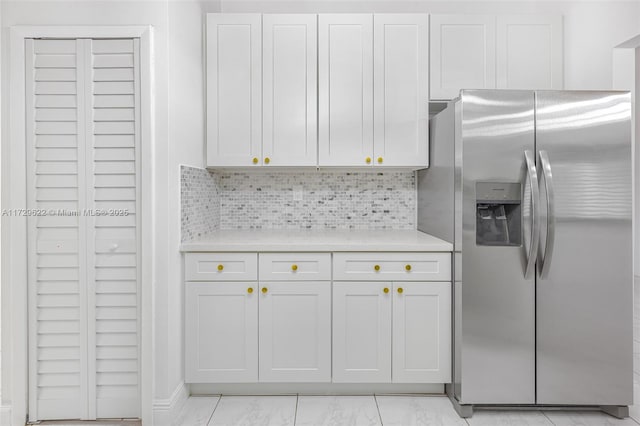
point(386, 290)
point(380, 160)
point(407, 267)
point(400, 290)
point(250, 290)
point(267, 160)
point(368, 160)
point(255, 160)
point(294, 267)
point(264, 289)
point(376, 268)
point(220, 267)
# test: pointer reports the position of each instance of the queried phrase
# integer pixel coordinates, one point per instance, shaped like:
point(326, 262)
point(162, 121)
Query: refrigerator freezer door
point(584, 303)
point(495, 329)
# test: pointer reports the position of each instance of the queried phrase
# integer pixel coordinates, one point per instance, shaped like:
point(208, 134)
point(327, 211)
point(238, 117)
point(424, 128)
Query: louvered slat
point(113, 74)
point(55, 74)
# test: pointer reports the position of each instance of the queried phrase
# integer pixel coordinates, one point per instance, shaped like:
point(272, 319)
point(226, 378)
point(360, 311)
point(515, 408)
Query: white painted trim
point(5, 414)
point(66, 31)
point(200, 389)
point(14, 241)
point(166, 411)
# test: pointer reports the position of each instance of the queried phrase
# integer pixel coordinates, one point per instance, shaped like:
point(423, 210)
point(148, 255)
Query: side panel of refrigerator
point(497, 302)
point(435, 184)
point(584, 303)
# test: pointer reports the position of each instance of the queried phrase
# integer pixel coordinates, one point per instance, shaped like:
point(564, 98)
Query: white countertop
point(328, 240)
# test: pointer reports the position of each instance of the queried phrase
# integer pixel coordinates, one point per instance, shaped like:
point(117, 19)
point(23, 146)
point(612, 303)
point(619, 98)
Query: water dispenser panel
point(498, 214)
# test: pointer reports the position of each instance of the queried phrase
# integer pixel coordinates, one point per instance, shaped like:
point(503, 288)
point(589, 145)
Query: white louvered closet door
point(84, 287)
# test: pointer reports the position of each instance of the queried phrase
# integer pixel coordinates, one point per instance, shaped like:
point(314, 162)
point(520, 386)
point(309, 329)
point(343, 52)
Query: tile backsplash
point(200, 203)
point(296, 200)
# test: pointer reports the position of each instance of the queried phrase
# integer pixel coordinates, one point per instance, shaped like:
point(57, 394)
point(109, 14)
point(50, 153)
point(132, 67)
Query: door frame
point(14, 228)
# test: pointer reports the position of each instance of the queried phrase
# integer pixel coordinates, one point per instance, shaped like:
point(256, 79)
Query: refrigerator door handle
point(535, 228)
point(545, 258)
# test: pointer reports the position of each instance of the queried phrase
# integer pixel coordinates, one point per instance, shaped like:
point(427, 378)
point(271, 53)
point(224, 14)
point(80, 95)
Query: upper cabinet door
point(529, 52)
point(401, 87)
point(234, 75)
point(289, 90)
point(463, 54)
point(345, 43)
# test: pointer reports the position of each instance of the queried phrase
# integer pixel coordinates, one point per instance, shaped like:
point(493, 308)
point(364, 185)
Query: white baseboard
point(5, 415)
point(165, 411)
point(314, 388)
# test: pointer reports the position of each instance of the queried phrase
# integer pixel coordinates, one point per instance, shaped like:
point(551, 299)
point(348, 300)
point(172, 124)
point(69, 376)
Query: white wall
point(591, 28)
point(186, 146)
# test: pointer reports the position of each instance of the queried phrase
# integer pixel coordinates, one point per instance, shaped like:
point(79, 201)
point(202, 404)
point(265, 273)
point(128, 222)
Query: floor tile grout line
point(375, 398)
point(214, 409)
point(548, 418)
point(295, 413)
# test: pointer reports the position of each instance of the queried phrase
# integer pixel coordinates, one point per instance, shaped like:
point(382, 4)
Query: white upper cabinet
point(463, 54)
point(291, 90)
point(345, 44)
point(487, 52)
point(289, 81)
point(401, 89)
point(529, 52)
point(234, 75)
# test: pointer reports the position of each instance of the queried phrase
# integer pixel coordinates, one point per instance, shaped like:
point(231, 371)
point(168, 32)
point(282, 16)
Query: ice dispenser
point(498, 214)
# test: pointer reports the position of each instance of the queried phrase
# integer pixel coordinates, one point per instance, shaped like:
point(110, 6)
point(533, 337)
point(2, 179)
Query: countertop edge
point(415, 241)
point(222, 247)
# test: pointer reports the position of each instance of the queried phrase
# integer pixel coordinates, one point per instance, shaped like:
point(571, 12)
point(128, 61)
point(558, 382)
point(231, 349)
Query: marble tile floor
point(369, 410)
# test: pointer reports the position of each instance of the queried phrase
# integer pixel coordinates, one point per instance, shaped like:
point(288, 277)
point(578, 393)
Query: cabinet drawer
point(221, 266)
point(392, 266)
point(295, 266)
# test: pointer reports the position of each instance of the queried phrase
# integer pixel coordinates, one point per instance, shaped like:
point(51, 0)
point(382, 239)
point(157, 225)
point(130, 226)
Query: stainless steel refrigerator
point(534, 190)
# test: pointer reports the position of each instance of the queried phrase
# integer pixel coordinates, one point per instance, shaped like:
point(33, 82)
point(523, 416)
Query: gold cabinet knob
point(386, 290)
point(294, 267)
point(400, 290)
point(267, 160)
point(250, 290)
point(376, 267)
point(380, 160)
point(368, 160)
point(220, 267)
point(264, 289)
point(407, 267)
point(255, 160)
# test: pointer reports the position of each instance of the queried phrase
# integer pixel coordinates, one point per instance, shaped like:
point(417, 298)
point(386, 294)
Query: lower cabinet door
point(295, 331)
point(221, 332)
point(362, 332)
point(421, 332)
